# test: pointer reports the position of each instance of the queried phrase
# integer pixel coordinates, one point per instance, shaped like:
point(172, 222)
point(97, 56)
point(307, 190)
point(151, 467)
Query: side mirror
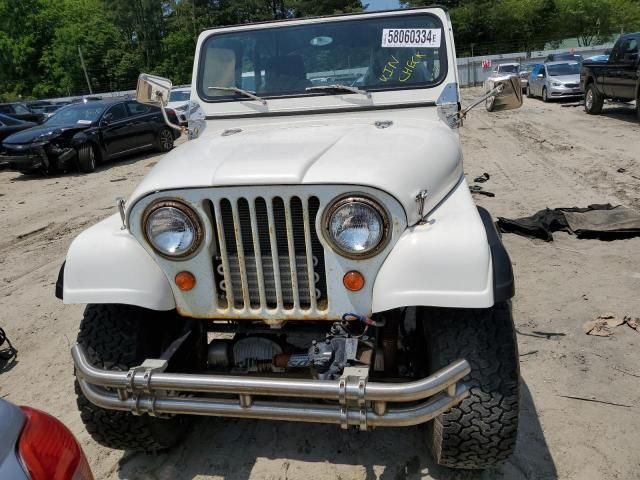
point(540, 75)
point(106, 120)
point(501, 93)
point(153, 90)
point(504, 93)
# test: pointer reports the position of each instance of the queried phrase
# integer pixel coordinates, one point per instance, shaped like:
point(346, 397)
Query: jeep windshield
point(371, 54)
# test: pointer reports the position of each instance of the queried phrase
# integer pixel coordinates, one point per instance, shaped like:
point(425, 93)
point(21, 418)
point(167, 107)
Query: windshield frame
point(265, 26)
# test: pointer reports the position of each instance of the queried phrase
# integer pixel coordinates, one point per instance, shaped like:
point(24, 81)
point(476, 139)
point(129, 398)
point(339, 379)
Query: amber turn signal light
point(185, 281)
point(353, 281)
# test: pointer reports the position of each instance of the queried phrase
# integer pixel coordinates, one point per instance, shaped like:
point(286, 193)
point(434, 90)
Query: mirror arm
point(459, 116)
point(492, 93)
point(169, 122)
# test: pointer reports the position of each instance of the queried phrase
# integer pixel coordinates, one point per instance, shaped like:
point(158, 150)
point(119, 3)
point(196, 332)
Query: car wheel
point(489, 102)
point(119, 337)
point(481, 431)
point(593, 101)
point(86, 158)
point(165, 139)
point(529, 93)
point(545, 97)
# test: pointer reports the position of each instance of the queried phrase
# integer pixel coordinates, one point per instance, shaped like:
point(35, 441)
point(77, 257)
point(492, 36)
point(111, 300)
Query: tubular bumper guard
point(361, 403)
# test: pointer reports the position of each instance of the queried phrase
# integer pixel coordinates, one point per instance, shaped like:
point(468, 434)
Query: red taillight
point(49, 450)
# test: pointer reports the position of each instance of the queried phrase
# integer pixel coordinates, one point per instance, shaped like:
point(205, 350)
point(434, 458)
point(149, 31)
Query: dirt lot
point(544, 155)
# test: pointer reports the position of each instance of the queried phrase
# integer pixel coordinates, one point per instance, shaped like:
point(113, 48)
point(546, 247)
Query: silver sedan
point(555, 80)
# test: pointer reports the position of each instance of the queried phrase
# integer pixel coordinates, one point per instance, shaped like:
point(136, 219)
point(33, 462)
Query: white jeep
point(313, 254)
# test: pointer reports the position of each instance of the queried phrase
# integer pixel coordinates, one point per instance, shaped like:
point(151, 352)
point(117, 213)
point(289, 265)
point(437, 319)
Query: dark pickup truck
point(617, 79)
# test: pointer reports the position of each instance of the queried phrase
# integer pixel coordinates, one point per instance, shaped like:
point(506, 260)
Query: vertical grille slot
point(304, 278)
point(268, 255)
point(279, 216)
point(318, 256)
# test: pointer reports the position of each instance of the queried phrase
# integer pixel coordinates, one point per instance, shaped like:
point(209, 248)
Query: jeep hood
point(402, 159)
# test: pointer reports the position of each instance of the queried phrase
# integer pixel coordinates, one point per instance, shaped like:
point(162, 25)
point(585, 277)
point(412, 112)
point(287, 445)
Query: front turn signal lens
point(353, 281)
point(185, 281)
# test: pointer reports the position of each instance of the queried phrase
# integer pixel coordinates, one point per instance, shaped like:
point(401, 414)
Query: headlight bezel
point(185, 209)
point(356, 197)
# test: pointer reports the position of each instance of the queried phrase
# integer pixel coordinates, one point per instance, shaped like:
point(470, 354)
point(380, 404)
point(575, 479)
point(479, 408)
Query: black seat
point(285, 74)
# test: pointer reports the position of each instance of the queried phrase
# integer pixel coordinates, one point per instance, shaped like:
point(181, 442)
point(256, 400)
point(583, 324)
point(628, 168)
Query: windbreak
point(381, 53)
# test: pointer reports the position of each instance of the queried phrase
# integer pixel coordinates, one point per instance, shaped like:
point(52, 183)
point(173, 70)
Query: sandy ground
point(544, 155)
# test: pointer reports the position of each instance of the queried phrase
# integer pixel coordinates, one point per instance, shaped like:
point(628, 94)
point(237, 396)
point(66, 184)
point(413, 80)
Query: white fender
point(106, 264)
point(445, 262)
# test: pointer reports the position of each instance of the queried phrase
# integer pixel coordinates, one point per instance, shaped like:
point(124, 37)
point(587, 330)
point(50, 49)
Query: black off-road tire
point(593, 105)
point(164, 142)
point(118, 337)
point(481, 431)
point(87, 158)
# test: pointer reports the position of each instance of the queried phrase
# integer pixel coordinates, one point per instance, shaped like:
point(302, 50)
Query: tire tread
point(114, 338)
point(481, 431)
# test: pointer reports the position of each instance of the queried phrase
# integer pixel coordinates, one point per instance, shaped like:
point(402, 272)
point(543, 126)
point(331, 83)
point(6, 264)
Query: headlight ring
point(176, 242)
point(367, 206)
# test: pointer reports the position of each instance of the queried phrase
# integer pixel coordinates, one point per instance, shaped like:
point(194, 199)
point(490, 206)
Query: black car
point(9, 125)
point(80, 135)
point(21, 112)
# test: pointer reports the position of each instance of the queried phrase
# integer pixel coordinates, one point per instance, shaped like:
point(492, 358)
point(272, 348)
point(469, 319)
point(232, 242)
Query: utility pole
point(84, 69)
point(473, 63)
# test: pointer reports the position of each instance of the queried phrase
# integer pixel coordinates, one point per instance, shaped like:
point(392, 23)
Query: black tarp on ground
point(601, 221)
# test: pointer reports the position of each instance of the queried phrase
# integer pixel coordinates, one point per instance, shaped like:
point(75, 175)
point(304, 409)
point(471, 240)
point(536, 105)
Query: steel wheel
point(165, 140)
point(588, 100)
point(87, 158)
point(593, 102)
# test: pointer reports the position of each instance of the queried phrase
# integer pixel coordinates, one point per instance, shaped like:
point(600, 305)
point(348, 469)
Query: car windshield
point(389, 53)
point(21, 109)
point(83, 114)
point(508, 68)
point(563, 69)
point(179, 96)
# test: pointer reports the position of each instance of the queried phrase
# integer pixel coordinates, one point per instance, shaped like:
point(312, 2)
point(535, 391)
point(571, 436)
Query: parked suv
point(314, 255)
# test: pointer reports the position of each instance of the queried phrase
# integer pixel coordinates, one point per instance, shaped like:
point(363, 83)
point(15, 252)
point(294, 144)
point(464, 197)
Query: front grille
point(267, 254)
point(571, 85)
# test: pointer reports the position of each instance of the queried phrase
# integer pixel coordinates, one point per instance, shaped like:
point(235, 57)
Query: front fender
point(106, 264)
point(445, 262)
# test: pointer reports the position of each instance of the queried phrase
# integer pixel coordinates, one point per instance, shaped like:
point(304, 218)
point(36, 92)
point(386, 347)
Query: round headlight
point(172, 228)
point(356, 226)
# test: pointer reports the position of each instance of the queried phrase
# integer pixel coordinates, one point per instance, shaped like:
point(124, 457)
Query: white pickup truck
point(313, 254)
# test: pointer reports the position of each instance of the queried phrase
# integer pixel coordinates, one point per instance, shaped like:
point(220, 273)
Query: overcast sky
point(381, 4)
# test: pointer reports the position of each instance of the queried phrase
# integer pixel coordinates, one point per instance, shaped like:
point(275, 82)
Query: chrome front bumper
point(359, 402)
